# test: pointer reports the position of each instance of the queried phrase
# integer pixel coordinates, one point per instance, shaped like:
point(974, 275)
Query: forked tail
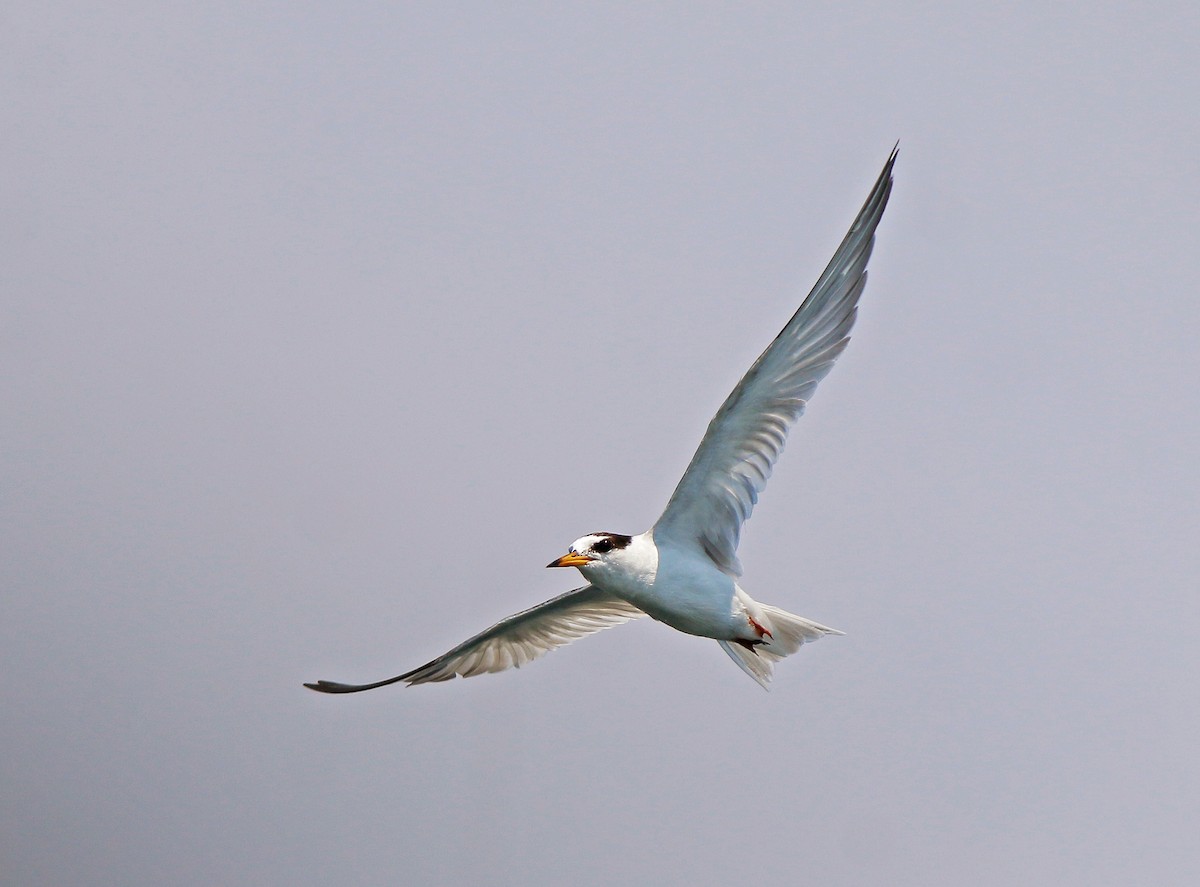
point(787, 633)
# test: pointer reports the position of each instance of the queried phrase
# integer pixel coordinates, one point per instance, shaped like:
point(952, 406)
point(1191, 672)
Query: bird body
point(684, 570)
point(689, 593)
point(678, 591)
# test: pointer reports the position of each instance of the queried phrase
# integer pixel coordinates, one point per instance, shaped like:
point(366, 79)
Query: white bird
point(683, 571)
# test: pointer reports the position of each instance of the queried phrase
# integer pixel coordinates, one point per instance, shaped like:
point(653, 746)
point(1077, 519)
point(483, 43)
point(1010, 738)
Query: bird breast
point(681, 588)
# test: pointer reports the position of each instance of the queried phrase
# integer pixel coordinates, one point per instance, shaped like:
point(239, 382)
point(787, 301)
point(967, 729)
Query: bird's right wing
point(514, 641)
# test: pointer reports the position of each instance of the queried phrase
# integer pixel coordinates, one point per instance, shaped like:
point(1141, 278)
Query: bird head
point(591, 549)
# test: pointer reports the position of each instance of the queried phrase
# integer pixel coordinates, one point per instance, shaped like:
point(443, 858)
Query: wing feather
point(731, 467)
point(514, 641)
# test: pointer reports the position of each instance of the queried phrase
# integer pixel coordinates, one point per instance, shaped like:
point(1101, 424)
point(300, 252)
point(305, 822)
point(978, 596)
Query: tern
point(684, 570)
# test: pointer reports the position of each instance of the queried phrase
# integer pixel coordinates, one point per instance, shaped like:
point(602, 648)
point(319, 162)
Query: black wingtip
point(891, 161)
point(333, 687)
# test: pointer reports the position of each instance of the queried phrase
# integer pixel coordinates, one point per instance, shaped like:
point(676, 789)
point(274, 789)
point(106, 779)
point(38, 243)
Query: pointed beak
point(570, 559)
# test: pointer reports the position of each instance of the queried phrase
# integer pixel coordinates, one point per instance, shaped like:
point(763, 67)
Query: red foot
point(762, 632)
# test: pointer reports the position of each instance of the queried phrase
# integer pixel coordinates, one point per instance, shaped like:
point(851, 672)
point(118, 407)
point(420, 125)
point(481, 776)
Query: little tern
point(684, 570)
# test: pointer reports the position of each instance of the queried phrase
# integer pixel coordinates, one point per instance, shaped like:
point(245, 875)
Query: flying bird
point(684, 570)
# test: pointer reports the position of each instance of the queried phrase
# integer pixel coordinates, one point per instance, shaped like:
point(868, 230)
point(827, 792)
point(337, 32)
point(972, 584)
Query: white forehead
point(584, 543)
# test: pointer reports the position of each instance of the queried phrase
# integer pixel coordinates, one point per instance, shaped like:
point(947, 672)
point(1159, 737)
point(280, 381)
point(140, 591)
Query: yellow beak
point(570, 559)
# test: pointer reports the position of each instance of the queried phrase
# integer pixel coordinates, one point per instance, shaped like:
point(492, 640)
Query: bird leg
point(758, 629)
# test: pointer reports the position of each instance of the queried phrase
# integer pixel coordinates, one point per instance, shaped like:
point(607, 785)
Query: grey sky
point(325, 327)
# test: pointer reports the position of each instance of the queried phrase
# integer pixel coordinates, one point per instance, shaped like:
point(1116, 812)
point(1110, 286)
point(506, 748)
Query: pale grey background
point(325, 326)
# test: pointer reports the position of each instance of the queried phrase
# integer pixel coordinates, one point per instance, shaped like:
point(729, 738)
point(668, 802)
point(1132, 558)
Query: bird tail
point(787, 633)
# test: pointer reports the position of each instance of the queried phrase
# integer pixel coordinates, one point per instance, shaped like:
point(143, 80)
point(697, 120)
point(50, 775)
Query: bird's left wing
point(514, 641)
point(731, 467)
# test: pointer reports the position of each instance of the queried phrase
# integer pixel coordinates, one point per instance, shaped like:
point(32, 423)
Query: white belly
point(687, 593)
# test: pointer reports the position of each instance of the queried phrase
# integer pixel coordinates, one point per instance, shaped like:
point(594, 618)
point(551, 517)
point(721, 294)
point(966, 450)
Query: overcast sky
point(323, 327)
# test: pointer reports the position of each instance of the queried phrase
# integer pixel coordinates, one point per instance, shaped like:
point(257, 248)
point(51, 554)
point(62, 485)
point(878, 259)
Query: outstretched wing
point(514, 641)
point(721, 485)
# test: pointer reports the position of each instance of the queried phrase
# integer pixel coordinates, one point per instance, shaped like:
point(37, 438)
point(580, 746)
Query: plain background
point(326, 326)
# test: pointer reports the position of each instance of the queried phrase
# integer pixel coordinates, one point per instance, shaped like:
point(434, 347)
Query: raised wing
point(730, 468)
point(514, 641)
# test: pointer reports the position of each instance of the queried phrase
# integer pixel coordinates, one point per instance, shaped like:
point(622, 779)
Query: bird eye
point(602, 546)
